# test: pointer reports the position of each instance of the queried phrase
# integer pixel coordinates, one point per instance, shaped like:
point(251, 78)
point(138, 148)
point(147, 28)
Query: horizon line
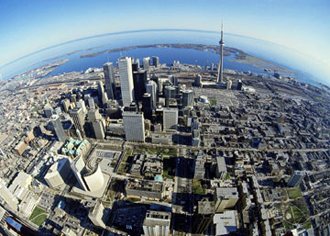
point(135, 31)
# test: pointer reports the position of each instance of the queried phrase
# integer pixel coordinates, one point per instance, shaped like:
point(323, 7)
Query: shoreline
point(240, 56)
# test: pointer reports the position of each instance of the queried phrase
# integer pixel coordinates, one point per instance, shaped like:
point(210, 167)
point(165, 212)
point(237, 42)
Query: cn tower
point(220, 66)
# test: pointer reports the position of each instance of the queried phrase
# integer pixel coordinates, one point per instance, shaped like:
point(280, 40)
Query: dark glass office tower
point(147, 106)
point(139, 80)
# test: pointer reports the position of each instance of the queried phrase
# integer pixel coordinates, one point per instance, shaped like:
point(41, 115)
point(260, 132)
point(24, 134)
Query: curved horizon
point(10, 72)
point(144, 30)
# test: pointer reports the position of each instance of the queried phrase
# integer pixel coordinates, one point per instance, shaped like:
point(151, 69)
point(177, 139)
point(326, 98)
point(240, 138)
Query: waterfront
point(74, 49)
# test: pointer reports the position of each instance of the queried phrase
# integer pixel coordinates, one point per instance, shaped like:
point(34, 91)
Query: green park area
point(38, 216)
point(294, 192)
point(296, 212)
point(125, 162)
point(157, 151)
point(213, 101)
point(197, 187)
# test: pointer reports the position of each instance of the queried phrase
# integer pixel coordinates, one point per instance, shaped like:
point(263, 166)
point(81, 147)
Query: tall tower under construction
point(220, 66)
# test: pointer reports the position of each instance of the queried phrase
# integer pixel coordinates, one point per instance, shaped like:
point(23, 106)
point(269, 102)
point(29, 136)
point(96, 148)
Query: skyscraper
point(204, 218)
point(91, 103)
point(239, 84)
point(48, 110)
point(78, 118)
point(146, 63)
point(7, 197)
point(57, 173)
point(58, 128)
point(134, 126)
point(126, 80)
point(147, 106)
point(187, 98)
point(140, 80)
point(296, 179)
point(155, 61)
point(109, 79)
point(157, 223)
point(81, 104)
point(198, 81)
point(96, 215)
point(169, 92)
point(220, 66)
point(229, 84)
point(100, 91)
point(66, 104)
point(135, 67)
point(137, 61)
point(152, 89)
point(170, 119)
point(98, 123)
point(174, 80)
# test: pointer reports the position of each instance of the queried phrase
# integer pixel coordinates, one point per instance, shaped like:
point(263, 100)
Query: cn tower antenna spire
point(220, 66)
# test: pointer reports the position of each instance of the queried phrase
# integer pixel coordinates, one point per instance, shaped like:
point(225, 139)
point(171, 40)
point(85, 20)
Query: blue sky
point(28, 26)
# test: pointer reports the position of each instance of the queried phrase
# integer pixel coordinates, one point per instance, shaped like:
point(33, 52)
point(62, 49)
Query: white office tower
point(91, 103)
point(146, 63)
point(96, 214)
point(58, 128)
point(7, 197)
point(78, 117)
point(126, 80)
point(134, 126)
point(57, 173)
point(157, 223)
point(170, 119)
point(109, 79)
point(296, 179)
point(152, 89)
point(81, 104)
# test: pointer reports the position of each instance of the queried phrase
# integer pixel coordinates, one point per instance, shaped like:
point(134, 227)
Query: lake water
point(265, 50)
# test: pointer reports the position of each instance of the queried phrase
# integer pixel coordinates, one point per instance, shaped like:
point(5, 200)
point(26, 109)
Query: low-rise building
point(145, 188)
